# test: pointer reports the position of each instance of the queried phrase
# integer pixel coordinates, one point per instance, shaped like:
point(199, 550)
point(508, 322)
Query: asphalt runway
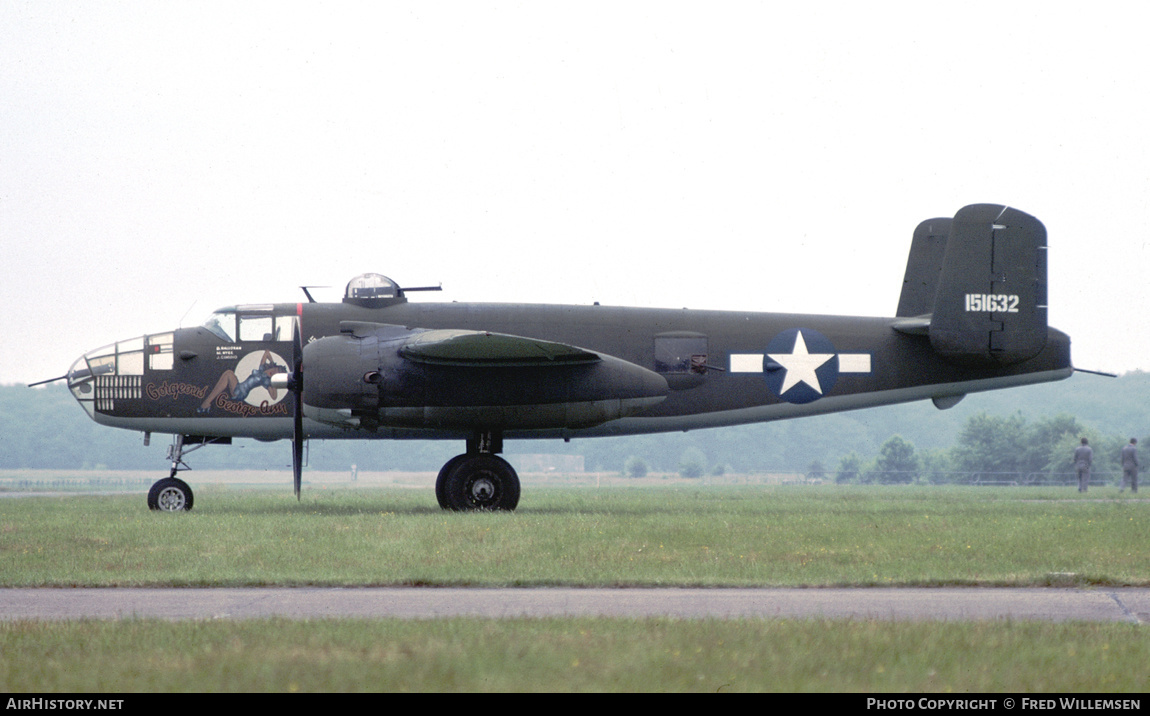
point(1130, 605)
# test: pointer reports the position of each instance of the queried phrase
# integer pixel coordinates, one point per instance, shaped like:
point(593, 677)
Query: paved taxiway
point(1102, 604)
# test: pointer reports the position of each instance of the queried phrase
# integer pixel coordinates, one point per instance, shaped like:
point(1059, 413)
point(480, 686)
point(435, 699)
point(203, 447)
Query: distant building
point(547, 463)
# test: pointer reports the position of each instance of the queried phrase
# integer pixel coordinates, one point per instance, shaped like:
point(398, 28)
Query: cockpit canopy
point(372, 290)
point(256, 322)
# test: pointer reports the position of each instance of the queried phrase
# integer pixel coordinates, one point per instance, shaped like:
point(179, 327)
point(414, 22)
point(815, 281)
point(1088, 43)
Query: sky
point(161, 160)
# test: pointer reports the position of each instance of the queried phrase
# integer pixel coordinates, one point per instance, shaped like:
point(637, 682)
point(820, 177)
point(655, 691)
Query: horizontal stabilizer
point(913, 326)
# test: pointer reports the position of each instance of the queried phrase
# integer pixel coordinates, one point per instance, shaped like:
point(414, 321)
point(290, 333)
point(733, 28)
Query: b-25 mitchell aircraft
point(972, 316)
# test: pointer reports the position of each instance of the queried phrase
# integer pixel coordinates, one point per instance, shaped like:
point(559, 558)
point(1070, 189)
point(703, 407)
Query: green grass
point(730, 536)
point(684, 535)
point(571, 655)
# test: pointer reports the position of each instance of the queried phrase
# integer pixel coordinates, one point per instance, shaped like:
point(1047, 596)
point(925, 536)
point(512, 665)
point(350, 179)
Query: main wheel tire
point(441, 480)
point(170, 495)
point(482, 482)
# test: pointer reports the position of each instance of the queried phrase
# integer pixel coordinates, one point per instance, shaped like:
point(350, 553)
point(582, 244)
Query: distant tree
point(991, 444)
point(850, 467)
point(816, 471)
point(935, 466)
point(1008, 446)
point(1042, 450)
point(692, 463)
point(635, 466)
point(897, 461)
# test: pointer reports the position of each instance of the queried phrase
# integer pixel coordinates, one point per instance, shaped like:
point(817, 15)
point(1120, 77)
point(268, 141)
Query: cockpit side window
point(256, 328)
point(285, 328)
point(252, 323)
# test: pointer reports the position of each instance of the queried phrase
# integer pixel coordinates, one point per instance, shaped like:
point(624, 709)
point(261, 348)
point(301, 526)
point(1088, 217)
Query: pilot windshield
point(222, 324)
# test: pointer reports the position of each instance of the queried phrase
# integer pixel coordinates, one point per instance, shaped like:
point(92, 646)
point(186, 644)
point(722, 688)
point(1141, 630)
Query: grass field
point(676, 535)
point(573, 655)
point(698, 536)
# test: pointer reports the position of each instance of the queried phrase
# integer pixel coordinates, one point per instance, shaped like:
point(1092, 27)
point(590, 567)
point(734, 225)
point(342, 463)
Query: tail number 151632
point(992, 302)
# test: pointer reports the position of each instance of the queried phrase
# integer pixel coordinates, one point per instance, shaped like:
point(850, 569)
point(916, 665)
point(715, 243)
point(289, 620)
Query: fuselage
point(719, 367)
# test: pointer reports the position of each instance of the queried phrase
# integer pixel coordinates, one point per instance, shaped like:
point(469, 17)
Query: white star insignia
point(801, 365)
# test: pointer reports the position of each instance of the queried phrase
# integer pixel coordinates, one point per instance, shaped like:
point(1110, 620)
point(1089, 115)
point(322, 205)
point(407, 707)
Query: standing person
point(1083, 457)
point(1130, 466)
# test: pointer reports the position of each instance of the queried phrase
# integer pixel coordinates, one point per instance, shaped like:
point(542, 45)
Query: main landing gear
point(479, 479)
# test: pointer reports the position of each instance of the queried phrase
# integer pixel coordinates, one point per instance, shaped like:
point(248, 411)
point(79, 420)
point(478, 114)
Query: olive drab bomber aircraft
point(972, 316)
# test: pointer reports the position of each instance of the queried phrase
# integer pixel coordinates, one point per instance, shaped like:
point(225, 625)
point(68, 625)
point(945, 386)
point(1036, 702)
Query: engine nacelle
point(376, 375)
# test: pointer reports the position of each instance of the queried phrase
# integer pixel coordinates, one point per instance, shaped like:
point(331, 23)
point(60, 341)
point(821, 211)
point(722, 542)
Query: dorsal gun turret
point(374, 290)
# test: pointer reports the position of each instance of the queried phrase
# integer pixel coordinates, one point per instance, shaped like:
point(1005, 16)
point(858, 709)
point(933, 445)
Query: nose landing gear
point(172, 494)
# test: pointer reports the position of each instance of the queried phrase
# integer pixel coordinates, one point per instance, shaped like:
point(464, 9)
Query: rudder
point(990, 306)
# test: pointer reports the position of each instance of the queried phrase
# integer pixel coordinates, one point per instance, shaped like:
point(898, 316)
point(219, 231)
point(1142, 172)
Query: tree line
point(1024, 430)
point(990, 448)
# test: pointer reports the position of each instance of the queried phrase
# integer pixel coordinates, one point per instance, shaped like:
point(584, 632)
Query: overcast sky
point(160, 160)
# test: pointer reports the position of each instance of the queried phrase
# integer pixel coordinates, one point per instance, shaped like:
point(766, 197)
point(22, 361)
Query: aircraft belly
point(416, 425)
point(647, 423)
point(453, 419)
point(257, 428)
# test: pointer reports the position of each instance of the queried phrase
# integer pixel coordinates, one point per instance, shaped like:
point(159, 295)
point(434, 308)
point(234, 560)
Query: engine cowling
point(375, 375)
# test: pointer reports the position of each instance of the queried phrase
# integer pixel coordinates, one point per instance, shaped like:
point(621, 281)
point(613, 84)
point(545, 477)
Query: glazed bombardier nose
point(115, 372)
point(81, 382)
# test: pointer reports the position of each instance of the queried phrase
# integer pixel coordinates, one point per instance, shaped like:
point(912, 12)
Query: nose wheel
point(170, 495)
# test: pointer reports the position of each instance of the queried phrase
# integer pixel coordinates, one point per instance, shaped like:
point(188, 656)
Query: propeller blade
point(297, 436)
point(297, 449)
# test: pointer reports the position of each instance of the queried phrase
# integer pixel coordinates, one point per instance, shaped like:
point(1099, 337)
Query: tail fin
point(989, 305)
point(923, 267)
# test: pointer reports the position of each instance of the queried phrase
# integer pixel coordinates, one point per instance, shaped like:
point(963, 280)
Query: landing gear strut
point(479, 479)
point(172, 494)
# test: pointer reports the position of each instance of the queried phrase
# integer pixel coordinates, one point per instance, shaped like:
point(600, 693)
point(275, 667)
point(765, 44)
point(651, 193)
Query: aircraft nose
point(82, 384)
point(101, 377)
